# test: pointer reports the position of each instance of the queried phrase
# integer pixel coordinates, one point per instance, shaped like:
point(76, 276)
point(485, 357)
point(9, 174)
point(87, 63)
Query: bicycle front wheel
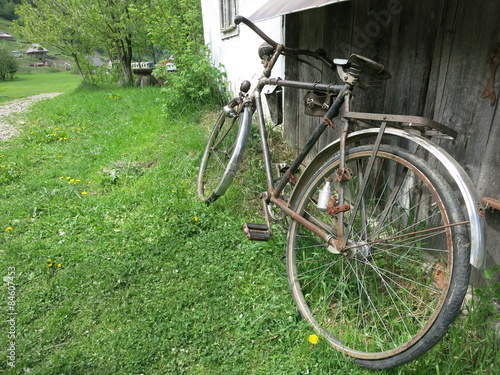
point(222, 155)
point(397, 279)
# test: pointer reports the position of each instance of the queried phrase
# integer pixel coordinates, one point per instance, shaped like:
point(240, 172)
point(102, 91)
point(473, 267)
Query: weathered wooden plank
point(463, 74)
point(290, 107)
point(437, 52)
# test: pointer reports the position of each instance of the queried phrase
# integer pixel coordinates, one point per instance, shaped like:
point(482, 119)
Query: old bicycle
point(381, 222)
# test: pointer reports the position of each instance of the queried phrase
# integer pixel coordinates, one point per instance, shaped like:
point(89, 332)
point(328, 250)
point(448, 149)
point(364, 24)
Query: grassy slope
point(25, 85)
point(151, 281)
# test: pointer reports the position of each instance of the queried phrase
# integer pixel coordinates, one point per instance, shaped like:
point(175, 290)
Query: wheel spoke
point(383, 292)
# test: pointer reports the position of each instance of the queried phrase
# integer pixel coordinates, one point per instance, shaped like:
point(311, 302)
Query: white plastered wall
point(238, 54)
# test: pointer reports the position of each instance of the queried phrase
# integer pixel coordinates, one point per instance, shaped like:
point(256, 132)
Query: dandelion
point(84, 193)
point(49, 260)
point(9, 229)
point(195, 218)
point(49, 265)
point(313, 339)
point(59, 265)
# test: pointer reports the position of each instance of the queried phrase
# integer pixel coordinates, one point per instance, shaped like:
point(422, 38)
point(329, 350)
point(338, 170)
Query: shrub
point(8, 64)
point(196, 84)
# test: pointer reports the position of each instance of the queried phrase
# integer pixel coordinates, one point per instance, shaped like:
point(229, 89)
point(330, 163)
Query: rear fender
point(455, 170)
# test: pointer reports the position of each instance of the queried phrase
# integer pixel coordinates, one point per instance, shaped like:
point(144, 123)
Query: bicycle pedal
point(257, 232)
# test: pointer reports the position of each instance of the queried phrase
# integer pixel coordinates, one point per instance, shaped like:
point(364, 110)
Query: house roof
point(36, 48)
point(275, 8)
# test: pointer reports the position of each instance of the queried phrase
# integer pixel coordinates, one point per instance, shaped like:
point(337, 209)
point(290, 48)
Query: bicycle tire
point(222, 155)
point(395, 293)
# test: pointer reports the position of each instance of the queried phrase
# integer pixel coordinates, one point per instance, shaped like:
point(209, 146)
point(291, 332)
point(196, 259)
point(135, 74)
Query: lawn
point(111, 265)
point(25, 84)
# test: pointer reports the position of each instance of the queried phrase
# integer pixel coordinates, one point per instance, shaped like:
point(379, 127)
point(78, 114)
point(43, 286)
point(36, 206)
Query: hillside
point(56, 59)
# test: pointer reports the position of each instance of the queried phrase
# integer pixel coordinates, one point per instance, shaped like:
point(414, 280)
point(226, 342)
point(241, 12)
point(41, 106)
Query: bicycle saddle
point(364, 65)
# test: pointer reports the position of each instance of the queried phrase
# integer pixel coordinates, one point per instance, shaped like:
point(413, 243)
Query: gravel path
point(17, 106)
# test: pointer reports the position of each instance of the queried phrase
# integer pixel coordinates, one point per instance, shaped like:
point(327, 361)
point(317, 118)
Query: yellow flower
point(49, 265)
point(84, 193)
point(59, 265)
point(9, 228)
point(195, 218)
point(313, 339)
point(49, 260)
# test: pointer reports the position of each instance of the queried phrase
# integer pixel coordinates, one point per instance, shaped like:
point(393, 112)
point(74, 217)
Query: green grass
point(151, 281)
point(24, 85)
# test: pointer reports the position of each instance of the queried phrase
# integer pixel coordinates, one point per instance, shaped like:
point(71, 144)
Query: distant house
point(36, 50)
point(5, 35)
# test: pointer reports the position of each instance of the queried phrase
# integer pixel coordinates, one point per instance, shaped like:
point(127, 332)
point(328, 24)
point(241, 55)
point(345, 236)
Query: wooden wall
point(437, 52)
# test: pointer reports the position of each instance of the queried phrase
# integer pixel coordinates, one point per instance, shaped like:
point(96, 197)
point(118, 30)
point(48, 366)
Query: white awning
point(275, 8)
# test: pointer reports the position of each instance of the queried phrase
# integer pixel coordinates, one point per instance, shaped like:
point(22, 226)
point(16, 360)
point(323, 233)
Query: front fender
point(456, 172)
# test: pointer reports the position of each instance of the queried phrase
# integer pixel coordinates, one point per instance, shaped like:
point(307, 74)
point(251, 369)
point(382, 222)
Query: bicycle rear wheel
point(222, 155)
point(394, 290)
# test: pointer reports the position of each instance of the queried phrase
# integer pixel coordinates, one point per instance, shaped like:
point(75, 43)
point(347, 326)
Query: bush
point(8, 64)
point(196, 84)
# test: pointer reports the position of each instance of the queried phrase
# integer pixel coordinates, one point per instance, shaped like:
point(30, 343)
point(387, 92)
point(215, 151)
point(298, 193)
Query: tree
point(7, 9)
point(78, 27)
point(55, 22)
point(114, 25)
point(8, 64)
point(178, 25)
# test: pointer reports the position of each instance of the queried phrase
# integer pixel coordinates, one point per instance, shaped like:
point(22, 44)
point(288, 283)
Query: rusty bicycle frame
point(373, 126)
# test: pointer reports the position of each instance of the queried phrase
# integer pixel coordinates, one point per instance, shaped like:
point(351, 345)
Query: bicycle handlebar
point(319, 54)
point(259, 32)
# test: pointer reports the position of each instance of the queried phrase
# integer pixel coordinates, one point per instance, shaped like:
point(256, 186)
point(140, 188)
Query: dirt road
point(17, 106)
